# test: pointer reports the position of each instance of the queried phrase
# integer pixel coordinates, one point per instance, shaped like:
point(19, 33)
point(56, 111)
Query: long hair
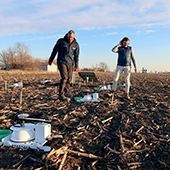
point(124, 39)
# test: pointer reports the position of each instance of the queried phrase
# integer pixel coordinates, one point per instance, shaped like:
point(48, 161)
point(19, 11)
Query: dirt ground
point(129, 134)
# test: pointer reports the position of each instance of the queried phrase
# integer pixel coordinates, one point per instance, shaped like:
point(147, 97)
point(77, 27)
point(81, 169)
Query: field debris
point(126, 134)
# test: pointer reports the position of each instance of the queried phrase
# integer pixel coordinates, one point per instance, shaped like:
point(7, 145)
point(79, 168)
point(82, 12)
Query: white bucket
point(103, 88)
point(87, 97)
point(95, 96)
point(109, 87)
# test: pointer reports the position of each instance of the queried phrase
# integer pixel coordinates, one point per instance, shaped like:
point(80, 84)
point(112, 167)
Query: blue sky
point(99, 25)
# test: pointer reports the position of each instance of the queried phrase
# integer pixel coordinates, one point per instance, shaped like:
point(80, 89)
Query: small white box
point(42, 131)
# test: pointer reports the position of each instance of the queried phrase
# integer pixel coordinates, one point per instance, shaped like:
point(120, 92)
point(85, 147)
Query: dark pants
point(66, 72)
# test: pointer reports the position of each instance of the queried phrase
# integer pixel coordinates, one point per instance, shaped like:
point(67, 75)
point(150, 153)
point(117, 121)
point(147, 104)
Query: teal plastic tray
point(4, 133)
point(96, 88)
point(77, 98)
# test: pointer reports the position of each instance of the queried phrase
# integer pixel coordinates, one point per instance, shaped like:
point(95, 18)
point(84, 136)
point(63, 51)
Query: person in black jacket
point(67, 61)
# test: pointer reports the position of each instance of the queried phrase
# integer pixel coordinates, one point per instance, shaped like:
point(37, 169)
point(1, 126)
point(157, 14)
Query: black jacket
point(67, 53)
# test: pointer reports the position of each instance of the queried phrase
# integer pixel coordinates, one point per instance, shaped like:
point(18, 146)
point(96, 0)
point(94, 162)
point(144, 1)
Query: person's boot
point(62, 98)
point(67, 91)
point(68, 95)
point(127, 95)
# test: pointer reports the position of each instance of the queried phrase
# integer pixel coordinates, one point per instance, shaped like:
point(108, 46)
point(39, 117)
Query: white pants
point(118, 71)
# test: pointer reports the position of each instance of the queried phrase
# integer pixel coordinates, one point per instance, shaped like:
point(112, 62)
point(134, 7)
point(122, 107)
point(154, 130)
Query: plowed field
point(127, 134)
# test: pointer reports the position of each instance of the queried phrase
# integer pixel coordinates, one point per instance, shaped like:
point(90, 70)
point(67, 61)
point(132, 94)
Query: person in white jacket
point(125, 55)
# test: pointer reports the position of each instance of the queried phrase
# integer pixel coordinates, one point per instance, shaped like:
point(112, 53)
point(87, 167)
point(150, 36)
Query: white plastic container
point(42, 132)
point(95, 96)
